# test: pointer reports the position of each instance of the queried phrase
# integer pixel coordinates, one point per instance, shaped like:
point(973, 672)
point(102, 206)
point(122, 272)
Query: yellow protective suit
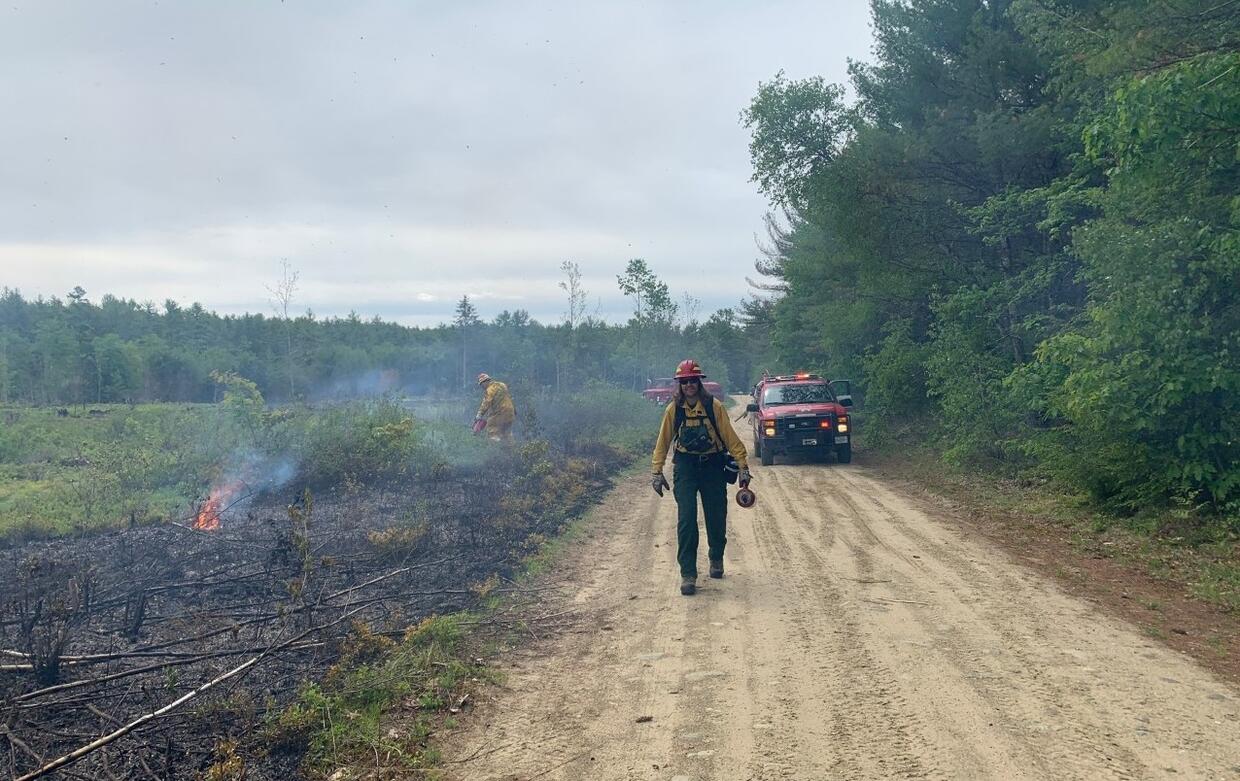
point(724, 439)
point(497, 410)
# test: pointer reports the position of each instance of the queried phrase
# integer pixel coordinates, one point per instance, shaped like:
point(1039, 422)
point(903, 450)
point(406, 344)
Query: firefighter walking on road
point(699, 426)
point(496, 408)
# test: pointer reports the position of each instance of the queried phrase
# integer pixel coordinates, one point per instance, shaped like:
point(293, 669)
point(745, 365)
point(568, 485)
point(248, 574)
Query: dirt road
point(858, 634)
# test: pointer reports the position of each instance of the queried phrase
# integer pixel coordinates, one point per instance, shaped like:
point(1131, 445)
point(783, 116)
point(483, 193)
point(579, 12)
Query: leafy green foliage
point(798, 126)
point(895, 375)
point(1156, 366)
point(1025, 229)
point(966, 377)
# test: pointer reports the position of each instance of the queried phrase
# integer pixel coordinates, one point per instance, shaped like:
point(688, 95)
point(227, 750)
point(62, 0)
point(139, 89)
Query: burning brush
point(220, 499)
point(247, 474)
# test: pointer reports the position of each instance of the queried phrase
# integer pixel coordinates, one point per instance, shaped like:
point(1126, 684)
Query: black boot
point(688, 586)
point(716, 568)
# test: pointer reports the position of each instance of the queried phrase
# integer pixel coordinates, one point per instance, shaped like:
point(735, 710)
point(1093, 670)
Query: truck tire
point(765, 455)
point(843, 454)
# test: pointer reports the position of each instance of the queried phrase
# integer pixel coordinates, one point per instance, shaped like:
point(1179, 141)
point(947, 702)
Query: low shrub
point(353, 716)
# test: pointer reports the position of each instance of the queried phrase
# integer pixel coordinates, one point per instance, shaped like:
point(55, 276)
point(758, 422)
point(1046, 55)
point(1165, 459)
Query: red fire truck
point(802, 414)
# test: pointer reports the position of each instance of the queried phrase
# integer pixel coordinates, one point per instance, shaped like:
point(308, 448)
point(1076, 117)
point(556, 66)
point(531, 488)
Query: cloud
point(391, 151)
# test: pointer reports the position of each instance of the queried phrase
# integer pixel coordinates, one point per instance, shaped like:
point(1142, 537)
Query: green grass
point(60, 474)
point(379, 705)
point(153, 462)
point(1218, 582)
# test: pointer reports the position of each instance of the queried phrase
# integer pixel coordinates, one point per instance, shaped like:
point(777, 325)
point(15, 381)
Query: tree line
point(75, 351)
point(1018, 226)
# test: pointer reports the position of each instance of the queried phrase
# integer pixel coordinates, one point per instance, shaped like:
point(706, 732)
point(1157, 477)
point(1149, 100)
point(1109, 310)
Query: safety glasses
point(689, 381)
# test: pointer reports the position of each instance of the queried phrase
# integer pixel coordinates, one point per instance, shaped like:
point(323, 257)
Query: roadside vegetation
point(372, 540)
point(72, 470)
point(1021, 237)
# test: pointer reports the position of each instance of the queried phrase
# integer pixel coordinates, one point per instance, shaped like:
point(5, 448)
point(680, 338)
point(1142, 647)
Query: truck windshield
point(817, 393)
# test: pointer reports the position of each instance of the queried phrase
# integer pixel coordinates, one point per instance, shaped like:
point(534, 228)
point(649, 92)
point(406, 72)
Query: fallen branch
point(77, 754)
point(148, 668)
point(8, 733)
point(94, 745)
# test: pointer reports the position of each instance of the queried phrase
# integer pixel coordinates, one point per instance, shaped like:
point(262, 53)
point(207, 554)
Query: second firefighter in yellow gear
point(496, 408)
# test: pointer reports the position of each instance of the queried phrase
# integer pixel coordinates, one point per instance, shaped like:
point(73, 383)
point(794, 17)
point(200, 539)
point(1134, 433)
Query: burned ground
point(100, 630)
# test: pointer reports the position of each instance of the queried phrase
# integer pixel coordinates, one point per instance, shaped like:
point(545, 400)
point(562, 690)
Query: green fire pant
point(691, 476)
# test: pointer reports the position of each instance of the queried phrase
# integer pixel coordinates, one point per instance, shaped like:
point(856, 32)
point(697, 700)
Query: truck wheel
point(843, 453)
point(766, 456)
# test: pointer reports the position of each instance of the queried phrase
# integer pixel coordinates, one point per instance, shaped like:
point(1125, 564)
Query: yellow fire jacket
point(496, 403)
point(725, 438)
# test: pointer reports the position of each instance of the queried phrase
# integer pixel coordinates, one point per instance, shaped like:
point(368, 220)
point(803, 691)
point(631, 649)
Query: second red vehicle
point(661, 390)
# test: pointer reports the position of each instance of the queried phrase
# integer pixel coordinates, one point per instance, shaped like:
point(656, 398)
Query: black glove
point(658, 482)
point(743, 478)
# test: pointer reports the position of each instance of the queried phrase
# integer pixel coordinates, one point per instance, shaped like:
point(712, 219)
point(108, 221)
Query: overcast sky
point(397, 154)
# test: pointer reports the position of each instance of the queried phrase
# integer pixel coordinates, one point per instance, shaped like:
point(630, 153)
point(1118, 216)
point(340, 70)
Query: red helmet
point(688, 368)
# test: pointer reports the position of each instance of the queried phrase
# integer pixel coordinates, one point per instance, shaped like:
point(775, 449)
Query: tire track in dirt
point(1075, 749)
point(1076, 746)
point(895, 588)
point(891, 584)
point(779, 693)
point(1005, 640)
point(873, 732)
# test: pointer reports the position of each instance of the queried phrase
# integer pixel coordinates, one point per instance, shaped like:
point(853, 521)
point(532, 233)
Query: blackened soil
point(101, 629)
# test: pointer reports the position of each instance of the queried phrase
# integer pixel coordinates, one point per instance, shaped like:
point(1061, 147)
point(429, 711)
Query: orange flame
point(209, 514)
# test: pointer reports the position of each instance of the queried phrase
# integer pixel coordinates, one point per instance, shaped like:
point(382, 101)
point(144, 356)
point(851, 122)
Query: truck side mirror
point(751, 407)
point(845, 401)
